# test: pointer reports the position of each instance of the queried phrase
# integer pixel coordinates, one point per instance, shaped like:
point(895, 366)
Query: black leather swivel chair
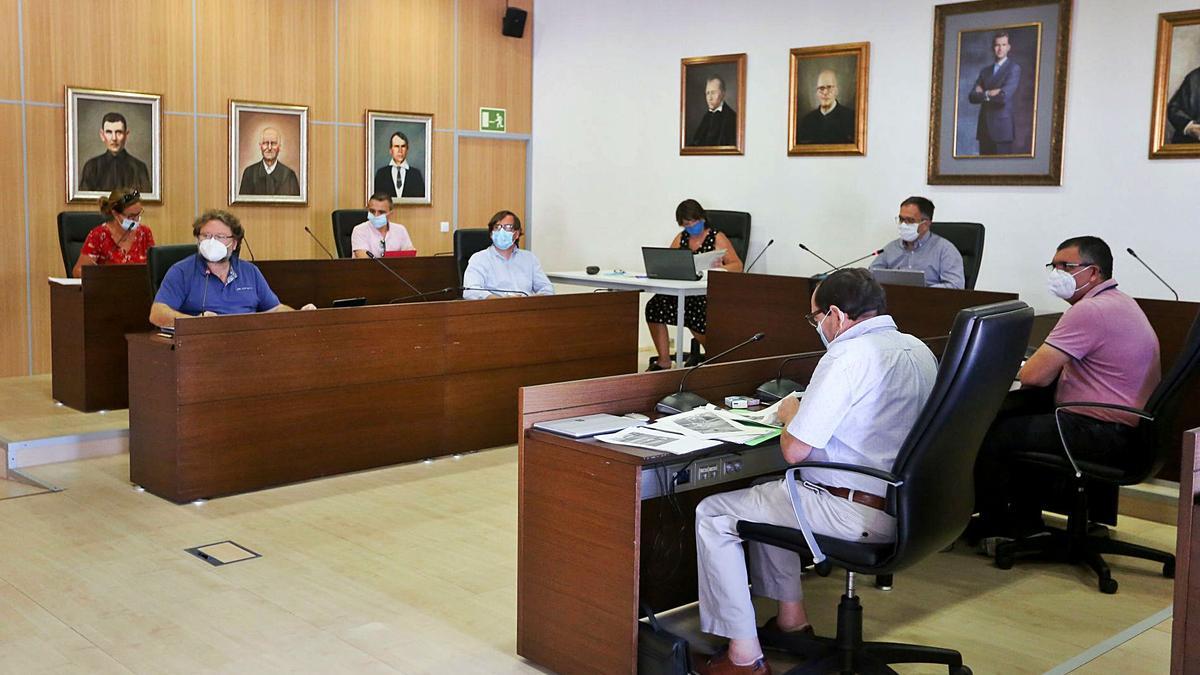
point(736, 226)
point(344, 221)
point(932, 493)
point(1081, 541)
point(159, 259)
point(73, 228)
point(467, 242)
point(968, 239)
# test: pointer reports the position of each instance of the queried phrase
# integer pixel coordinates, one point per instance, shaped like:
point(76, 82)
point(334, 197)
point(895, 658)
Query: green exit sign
point(493, 119)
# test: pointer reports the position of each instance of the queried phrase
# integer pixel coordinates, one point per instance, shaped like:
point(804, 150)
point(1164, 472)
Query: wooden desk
point(1185, 629)
point(740, 305)
point(89, 322)
point(239, 403)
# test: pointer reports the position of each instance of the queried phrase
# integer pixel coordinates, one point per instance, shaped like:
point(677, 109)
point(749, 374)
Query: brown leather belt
point(864, 498)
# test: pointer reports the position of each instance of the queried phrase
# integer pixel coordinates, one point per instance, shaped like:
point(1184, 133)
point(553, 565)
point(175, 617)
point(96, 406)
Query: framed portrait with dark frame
point(1175, 120)
point(268, 153)
point(712, 105)
point(399, 156)
point(827, 99)
point(999, 92)
point(113, 141)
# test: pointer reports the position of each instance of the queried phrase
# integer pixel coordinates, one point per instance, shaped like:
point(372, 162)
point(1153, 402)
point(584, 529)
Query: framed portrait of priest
point(399, 156)
point(1175, 120)
point(268, 153)
point(113, 141)
point(999, 92)
point(712, 105)
point(827, 99)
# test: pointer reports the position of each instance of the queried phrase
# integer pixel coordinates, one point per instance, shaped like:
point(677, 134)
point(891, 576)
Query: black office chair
point(73, 229)
point(968, 239)
point(1082, 541)
point(736, 226)
point(159, 259)
point(344, 221)
point(467, 242)
point(931, 494)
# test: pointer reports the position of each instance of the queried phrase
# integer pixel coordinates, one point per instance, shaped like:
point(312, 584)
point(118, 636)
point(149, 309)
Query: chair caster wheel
point(1168, 570)
point(961, 670)
point(1108, 585)
point(1004, 561)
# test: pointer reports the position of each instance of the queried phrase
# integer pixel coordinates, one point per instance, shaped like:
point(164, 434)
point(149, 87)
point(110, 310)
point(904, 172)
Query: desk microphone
point(778, 388)
point(493, 290)
point(251, 251)
point(814, 253)
point(1164, 281)
point(760, 254)
point(392, 272)
point(872, 254)
point(449, 289)
point(314, 238)
point(683, 401)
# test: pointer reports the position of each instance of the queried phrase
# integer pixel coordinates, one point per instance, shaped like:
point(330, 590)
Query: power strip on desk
point(724, 468)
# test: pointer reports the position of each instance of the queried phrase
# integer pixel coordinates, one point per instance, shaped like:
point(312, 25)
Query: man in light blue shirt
point(919, 249)
point(503, 269)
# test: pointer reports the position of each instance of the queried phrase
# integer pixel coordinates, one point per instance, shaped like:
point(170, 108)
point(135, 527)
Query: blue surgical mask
point(821, 333)
point(378, 221)
point(503, 239)
point(695, 228)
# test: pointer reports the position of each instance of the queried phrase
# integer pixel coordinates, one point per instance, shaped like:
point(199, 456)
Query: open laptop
point(899, 277)
point(669, 263)
point(587, 425)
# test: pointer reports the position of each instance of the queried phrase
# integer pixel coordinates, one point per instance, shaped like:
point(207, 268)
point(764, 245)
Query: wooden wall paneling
point(14, 343)
point(491, 177)
point(396, 56)
point(47, 194)
point(71, 43)
point(494, 71)
point(10, 75)
point(251, 51)
point(171, 221)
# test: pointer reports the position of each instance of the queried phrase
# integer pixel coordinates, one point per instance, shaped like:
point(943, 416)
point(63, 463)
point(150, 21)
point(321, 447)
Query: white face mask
point(127, 224)
point(821, 334)
point(213, 250)
point(1061, 283)
point(909, 232)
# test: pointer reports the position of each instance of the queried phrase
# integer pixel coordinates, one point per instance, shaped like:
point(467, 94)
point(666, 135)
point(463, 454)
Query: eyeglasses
point(1066, 266)
point(506, 227)
point(909, 221)
point(811, 318)
point(223, 238)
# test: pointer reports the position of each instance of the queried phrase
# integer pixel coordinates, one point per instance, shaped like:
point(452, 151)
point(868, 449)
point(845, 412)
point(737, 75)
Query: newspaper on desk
point(647, 437)
point(767, 417)
point(713, 423)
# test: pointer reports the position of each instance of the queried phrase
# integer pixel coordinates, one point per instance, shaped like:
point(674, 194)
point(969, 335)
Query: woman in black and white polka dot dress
point(661, 311)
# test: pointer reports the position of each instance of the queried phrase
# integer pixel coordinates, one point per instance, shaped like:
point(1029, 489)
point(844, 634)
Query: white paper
point(703, 423)
point(769, 415)
point(705, 261)
point(64, 281)
point(646, 437)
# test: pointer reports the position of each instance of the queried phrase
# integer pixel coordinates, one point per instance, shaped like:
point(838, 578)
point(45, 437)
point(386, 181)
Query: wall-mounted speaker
point(514, 22)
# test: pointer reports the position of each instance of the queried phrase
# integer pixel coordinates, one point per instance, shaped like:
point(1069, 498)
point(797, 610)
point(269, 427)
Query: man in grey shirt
point(503, 269)
point(919, 249)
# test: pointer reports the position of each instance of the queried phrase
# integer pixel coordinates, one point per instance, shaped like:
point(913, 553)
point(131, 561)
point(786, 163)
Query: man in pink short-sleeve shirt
point(1103, 350)
point(379, 235)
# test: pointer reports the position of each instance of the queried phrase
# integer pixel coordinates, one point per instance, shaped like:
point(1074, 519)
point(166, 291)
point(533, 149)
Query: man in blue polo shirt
point(212, 282)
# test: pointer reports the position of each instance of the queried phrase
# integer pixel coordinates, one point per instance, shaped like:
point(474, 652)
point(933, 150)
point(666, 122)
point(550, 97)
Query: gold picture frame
point(822, 118)
point(1176, 88)
point(113, 140)
point(701, 130)
point(251, 181)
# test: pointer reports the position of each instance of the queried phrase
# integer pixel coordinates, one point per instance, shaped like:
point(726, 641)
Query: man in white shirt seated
point(503, 269)
point(862, 401)
point(379, 235)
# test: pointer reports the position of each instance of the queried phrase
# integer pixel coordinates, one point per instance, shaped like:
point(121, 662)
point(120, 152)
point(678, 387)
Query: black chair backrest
point(73, 229)
point(736, 226)
point(468, 242)
point(1164, 405)
point(968, 239)
point(159, 259)
point(937, 459)
point(344, 221)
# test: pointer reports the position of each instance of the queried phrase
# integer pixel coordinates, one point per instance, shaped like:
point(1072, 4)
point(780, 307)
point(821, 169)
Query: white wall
point(607, 173)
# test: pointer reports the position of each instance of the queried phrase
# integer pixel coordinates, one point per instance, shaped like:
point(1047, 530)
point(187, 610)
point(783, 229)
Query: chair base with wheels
point(1079, 543)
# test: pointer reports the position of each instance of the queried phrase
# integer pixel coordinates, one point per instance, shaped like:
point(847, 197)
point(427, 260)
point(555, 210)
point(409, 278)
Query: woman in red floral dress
point(122, 239)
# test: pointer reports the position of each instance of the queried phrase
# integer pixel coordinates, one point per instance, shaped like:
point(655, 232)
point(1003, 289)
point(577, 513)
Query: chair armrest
point(885, 476)
point(1108, 406)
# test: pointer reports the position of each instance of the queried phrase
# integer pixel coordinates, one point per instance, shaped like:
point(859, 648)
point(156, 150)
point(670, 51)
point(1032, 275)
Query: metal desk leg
point(679, 358)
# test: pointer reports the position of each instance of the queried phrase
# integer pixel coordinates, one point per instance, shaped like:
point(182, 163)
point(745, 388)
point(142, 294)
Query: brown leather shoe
point(719, 664)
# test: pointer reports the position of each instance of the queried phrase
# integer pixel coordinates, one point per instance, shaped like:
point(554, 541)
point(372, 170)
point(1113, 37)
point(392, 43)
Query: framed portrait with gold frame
point(114, 140)
point(1175, 120)
point(712, 105)
point(827, 99)
point(999, 92)
point(268, 153)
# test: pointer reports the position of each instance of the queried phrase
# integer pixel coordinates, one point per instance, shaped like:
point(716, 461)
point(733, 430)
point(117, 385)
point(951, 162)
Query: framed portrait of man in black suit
point(999, 92)
point(399, 156)
point(1175, 119)
point(827, 99)
point(268, 153)
point(113, 142)
point(712, 105)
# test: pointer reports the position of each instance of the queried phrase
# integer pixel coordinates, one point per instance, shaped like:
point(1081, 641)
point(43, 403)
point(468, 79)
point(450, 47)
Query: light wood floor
point(29, 412)
point(412, 569)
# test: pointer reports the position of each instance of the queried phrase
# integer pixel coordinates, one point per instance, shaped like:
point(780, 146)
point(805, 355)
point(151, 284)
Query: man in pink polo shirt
point(1102, 350)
